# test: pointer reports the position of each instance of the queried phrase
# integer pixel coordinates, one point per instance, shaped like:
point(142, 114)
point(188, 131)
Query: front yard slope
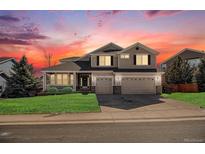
point(50, 104)
point(193, 98)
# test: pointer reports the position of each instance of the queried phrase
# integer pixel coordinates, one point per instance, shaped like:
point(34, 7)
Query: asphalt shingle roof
point(68, 66)
point(85, 66)
point(4, 58)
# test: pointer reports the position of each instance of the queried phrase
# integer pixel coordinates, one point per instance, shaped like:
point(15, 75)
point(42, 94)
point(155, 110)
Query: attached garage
point(104, 85)
point(138, 85)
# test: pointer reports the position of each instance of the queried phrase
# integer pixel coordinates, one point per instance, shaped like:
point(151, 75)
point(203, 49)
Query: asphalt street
point(173, 131)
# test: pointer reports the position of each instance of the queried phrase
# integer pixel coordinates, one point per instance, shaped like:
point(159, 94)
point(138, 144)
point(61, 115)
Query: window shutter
point(111, 60)
point(97, 60)
point(134, 60)
point(149, 59)
point(90, 61)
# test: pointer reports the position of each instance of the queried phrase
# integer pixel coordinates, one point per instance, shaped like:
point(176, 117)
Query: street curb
point(144, 120)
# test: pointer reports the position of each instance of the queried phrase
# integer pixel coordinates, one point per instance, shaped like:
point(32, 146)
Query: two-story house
point(6, 64)
point(110, 69)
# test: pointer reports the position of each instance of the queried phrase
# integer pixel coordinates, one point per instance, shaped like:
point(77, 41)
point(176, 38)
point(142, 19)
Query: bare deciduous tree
point(48, 56)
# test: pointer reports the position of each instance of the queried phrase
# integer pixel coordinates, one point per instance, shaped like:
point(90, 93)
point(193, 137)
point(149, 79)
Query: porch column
point(44, 81)
point(74, 81)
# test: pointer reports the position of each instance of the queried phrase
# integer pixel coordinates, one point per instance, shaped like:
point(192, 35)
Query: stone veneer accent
point(158, 89)
point(92, 89)
point(117, 90)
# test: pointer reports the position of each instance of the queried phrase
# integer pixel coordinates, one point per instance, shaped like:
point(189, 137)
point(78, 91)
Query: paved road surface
point(179, 131)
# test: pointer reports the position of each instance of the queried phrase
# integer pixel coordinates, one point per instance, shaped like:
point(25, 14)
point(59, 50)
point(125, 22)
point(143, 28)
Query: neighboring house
point(5, 71)
point(191, 55)
point(108, 70)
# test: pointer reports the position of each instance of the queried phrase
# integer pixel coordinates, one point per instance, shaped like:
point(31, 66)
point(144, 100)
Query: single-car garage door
point(104, 86)
point(138, 85)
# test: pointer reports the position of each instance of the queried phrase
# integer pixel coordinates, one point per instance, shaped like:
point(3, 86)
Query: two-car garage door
point(138, 85)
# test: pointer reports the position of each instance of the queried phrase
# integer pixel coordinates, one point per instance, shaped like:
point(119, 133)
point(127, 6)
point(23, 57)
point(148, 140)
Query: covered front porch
point(77, 80)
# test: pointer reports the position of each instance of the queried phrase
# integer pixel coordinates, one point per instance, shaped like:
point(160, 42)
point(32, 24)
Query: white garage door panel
point(137, 85)
point(104, 86)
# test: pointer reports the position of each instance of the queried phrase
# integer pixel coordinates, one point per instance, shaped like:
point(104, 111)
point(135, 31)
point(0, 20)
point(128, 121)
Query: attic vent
point(137, 48)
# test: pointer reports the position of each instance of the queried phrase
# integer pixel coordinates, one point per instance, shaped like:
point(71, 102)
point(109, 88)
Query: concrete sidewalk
point(100, 117)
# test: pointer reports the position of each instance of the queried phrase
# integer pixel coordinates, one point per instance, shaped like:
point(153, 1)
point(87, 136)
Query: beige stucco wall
point(117, 77)
point(129, 63)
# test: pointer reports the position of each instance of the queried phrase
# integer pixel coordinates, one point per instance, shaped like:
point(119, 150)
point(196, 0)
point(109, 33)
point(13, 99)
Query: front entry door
point(84, 80)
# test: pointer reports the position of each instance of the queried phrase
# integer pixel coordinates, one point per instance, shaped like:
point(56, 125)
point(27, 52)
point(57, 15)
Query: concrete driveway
point(132, 103)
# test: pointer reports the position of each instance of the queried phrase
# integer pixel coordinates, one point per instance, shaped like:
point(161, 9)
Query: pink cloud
point(101, 17)
point(158, 13)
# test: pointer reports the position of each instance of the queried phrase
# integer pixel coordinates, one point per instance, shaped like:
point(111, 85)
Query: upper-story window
point(124, 56)
point(194, 62)
point(164, 66)
point(142, 59)
point(104, 60)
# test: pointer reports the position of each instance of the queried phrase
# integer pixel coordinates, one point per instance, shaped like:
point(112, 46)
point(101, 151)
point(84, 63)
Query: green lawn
point(193, 98)
point(50, 104)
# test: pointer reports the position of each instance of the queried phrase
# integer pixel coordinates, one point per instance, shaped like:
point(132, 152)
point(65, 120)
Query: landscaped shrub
point(52, 90)
point(66, 90)
point(58, 91)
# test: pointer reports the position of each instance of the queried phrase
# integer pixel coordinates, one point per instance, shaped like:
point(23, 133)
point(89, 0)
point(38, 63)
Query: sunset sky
point(74, 33)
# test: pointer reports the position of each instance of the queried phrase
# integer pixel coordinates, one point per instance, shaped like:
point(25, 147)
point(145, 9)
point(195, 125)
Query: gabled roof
point(5, 59)
point(109, 48)
point(141, 46)
point(180, 52)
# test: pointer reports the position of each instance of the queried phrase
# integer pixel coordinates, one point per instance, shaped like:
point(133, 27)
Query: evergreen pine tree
point(179, 72)
point(22, 82)
point(201, 75)
point(187, 72)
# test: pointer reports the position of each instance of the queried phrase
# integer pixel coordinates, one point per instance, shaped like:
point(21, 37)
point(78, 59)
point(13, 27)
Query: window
point(194, 62)
point(1, 89)
point(59, 79)
point(104, 60)
point(65, 79)
point(164, 66)
point(52, 79)
point(142, 59)
point(71, 79)
point(125, 56)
